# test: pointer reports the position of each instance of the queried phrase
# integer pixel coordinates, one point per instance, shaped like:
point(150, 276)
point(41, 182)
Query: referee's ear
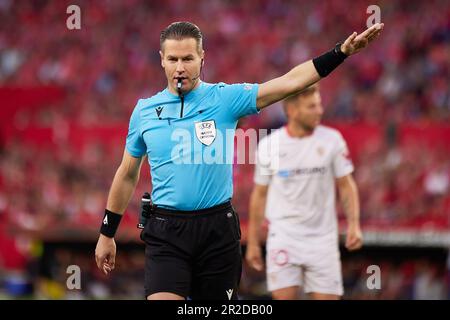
point(161, 54)
point(202, 57)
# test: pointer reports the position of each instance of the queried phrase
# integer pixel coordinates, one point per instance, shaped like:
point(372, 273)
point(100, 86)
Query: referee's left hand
point(356, 42)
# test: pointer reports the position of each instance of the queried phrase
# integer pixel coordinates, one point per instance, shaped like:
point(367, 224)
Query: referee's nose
point(180, 67)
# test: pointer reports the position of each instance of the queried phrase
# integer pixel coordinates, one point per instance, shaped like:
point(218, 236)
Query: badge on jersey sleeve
point(205, 131)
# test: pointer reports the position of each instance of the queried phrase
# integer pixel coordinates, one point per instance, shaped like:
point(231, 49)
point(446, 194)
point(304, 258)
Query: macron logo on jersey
point(229, 293)
point(159, 110)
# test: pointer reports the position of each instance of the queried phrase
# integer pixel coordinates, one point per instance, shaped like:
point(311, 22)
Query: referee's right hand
point(253, 256)
point(105, 254)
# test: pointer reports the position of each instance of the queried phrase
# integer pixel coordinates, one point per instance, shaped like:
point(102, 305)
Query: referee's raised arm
point(307, 73)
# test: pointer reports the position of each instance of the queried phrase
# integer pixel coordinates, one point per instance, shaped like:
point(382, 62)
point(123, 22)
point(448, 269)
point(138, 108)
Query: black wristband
point(329, 61)
point(110, 223)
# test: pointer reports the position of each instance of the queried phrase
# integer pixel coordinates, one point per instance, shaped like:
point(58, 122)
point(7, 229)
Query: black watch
point(338, 51)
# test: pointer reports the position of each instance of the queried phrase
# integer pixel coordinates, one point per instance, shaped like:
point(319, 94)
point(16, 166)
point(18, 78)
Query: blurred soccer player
point(298, 198)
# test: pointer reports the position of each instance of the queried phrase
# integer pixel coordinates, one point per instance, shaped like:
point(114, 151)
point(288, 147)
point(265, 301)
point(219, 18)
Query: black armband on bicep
point(329, 61)
point(110, 223)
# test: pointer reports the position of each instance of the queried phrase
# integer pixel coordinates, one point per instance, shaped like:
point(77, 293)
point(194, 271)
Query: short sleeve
point(342, 163)
point(263, 172)
point(135, 144)
point(240, 98)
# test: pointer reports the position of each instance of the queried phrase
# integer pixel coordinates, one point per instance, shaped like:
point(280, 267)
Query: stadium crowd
point(113, 58)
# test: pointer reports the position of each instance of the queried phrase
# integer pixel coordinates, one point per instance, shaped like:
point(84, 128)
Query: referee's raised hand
point(355, 42)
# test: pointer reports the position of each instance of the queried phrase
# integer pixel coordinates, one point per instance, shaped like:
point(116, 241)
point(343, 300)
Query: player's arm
point(349, 198)
point(258, 199)
point(307, 73)
point(120, 193)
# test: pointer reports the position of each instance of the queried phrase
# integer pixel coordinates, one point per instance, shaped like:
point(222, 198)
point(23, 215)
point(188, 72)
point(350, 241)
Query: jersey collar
point(188, 96)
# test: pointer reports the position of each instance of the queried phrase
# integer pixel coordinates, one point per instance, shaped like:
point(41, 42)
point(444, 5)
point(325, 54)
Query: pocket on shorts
point(238, 223)
point(234, 223)
point(144, 232)
point(155, 228)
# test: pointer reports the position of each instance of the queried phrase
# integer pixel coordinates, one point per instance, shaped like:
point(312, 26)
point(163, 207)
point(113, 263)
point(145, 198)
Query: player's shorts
point(195, 254)
point(316, 269)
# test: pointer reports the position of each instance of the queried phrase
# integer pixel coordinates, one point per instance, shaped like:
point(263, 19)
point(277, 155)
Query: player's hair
point(182, 30)
point(304, 93)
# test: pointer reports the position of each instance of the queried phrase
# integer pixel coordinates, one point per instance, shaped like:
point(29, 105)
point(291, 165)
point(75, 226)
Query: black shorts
point(195, 254)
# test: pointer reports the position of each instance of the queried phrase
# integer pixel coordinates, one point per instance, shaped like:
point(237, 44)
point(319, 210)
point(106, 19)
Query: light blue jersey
point(190, 157)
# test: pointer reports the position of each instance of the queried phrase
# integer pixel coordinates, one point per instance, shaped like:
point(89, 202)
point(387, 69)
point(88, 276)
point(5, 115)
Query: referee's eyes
point(175, 60)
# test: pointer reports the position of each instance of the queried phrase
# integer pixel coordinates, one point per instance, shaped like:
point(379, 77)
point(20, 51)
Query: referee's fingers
point(112, 260)
point(370, 30)
point(99, 260)
point(106, 269)
point(376, 31)
point(350, 38)
point(374, 35)
point(106, 264)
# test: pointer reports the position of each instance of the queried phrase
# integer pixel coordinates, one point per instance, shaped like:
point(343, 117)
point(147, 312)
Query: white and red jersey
point(301, 176)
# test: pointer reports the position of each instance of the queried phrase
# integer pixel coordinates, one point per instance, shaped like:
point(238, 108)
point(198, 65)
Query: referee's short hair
point(182, 30)
point(304, 93)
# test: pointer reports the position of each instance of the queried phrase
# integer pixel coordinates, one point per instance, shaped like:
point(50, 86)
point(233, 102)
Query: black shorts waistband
point(194, 213)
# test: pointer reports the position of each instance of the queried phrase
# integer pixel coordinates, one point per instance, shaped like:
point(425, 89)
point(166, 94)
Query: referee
point(192, 237)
